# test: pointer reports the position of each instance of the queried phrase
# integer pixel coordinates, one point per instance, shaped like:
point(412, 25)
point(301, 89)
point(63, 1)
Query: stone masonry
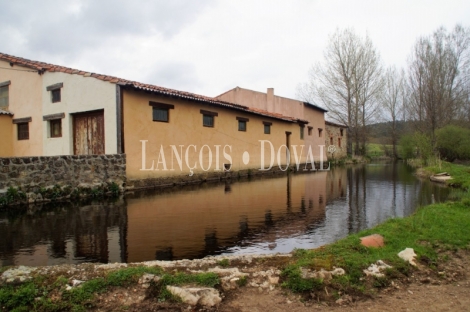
point(33, 173)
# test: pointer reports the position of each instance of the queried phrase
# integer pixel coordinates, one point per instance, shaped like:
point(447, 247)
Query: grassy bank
point(432, 229)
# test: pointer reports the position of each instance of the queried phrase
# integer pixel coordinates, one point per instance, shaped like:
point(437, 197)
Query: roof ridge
point(42, 67)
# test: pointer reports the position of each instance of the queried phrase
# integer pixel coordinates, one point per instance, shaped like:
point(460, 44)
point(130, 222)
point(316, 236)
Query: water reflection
point(263, 215)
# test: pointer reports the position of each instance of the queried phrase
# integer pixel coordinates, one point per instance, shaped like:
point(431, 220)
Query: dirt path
point(424, 290)
point(416, 297)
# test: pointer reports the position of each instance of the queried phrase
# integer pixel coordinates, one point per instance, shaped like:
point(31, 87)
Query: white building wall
point(78, 94)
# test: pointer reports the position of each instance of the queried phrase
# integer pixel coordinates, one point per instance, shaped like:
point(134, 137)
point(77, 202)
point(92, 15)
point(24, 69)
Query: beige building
point(336, 140)
point(181, 134)
point(310, 132)
point(166, 134)
point(56, 110)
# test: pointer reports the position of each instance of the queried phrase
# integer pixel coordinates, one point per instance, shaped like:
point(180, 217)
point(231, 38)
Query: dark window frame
point(267, 127)
point(161, 107)
point(208, 119)
point(320, 132)
point(242, 123)
point(22, 131)
point(309, 130)
point(53, 122)
point(6, 86)
point(56, 94)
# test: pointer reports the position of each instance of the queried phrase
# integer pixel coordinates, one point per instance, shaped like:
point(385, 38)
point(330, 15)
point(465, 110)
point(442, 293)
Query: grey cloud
point(51, 27)
point(180, 76)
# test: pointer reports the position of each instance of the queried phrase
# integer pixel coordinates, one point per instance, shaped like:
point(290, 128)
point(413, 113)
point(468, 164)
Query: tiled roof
point(42, 67)
point(335, 124)
point(4, 112)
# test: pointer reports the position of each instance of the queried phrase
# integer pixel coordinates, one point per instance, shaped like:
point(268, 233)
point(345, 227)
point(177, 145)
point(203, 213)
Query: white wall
point(78, 94)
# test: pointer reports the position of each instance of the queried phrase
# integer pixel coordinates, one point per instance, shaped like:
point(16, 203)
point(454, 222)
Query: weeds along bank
point(435, 232)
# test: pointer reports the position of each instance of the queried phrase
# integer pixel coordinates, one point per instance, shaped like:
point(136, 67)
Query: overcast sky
point(209, 47)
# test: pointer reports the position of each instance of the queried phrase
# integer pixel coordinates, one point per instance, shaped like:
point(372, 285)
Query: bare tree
point(393, 100)
point(438, 79)
point(347, 83)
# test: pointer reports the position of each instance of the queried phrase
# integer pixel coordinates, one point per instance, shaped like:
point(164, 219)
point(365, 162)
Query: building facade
point(167, 135)
point(336, 140)
point(310, 132)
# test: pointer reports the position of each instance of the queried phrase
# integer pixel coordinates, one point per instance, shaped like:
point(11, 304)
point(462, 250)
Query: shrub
point(453, 142)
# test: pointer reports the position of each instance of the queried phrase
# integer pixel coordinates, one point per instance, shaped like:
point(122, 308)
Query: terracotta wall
point(287, 107)
point(6, 129)
point(186, 132)
point(24, 101)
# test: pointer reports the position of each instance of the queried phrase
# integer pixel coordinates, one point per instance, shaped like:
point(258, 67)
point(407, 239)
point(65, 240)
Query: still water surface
point(262, 215)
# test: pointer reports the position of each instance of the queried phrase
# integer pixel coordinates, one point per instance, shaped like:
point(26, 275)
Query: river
point(257, 215)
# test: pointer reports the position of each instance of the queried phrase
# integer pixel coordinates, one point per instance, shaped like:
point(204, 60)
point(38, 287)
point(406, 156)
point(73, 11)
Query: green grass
point(223, 263)
point(35, 295)
point(375, 150)
point(444, 225)
point(460, 173)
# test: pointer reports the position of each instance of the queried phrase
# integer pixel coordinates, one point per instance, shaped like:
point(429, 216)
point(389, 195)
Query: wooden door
point(88, 133)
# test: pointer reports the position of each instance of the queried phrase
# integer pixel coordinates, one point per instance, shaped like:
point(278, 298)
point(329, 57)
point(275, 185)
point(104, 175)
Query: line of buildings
point(49, 110)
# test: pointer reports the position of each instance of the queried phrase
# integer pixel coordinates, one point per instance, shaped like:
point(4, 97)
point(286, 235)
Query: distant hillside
point(380, 132)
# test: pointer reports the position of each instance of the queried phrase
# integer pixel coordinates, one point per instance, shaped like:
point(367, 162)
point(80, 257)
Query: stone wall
point(34, 173)
point(336, 135)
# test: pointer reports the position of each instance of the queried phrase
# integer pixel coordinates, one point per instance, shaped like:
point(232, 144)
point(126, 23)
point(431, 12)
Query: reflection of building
point(336, 135)
point(336, 184)
point(206, 221)
point(66, 235)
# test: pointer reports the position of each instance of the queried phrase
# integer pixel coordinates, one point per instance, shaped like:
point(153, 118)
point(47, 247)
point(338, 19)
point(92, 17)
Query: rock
point(322, 274)
point(376, 268)
point(20, 274)
point(76, 282)
point(408, 255)
point(274, 280)
point(208, 297)
point(374, 240)
point(146, 278)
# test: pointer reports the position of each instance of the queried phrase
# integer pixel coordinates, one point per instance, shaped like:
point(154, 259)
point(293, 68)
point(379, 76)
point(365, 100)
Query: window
point(55, 92)
point(339, 142)
point(55, 128)
point(22, 127)
point(23, 131)
point(320, 132)
point(208, 118)
point(341, 131)
point(208, 121)
point(242, 123)
point(302, 132)
point(267, 127)
point(4, 93)
point(331, 140)
point(310, 130)
point(160, 114)
point(161, 111)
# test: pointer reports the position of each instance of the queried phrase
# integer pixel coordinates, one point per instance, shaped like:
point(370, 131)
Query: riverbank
point(325, 277)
